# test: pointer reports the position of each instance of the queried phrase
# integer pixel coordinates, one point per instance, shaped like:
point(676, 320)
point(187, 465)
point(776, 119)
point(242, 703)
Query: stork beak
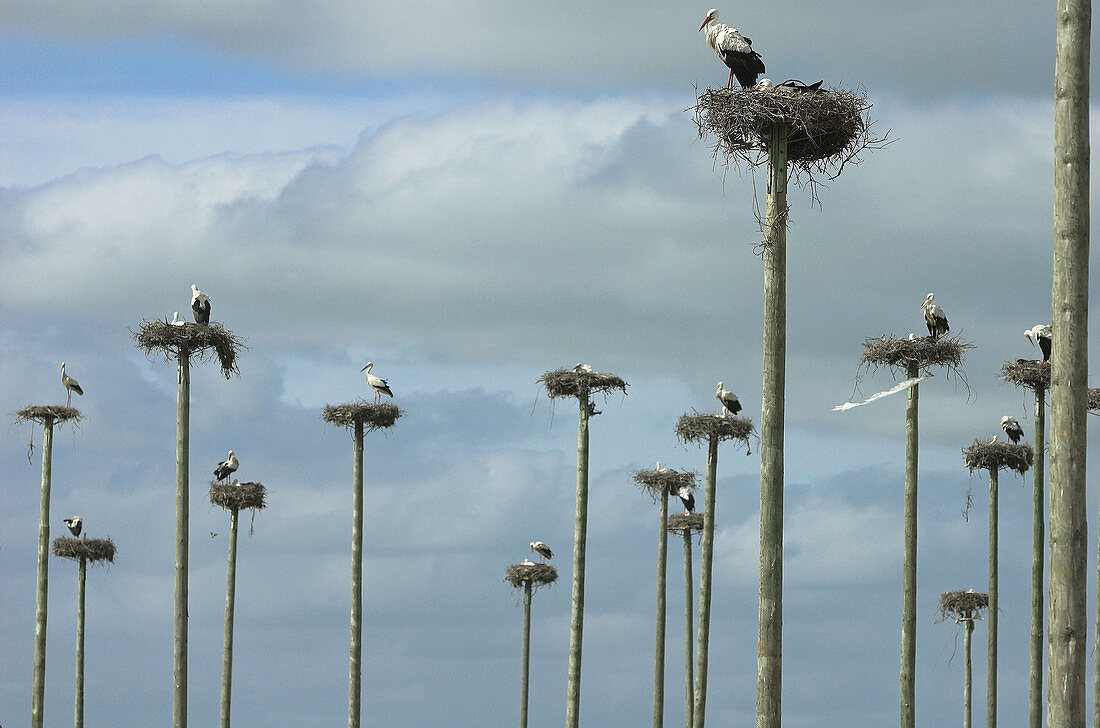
point(364, 368)
point(704, 24)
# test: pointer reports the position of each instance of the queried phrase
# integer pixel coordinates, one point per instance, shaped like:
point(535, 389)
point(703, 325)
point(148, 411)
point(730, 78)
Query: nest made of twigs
point(539, 575)
point(680, 522)
point(1029, 373)
point(238, 496)
point(200, 340)
point(998, 456)
point(92, 550)
point(665, 481)
point(696, 428)
point(1093, 398)
point(922, 351)
point(40, 413)
point(961, 605)
point(373, 416)
point(569, 383)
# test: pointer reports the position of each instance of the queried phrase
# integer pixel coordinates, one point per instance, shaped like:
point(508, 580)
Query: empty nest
point(998, 456)
point(538, 575)
point(201, 340)
point(568, 383)
point(92, 550)
point(962, 604)
point(680, 522)
point(921, 351)
point(1033, 375)
point(700, 429)
point(373, 416)
point(41, 413)
point(238, 496)
point(664, 481)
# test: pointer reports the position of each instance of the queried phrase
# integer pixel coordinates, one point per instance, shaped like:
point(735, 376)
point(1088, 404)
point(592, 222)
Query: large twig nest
point(569, 383)
point(921, 350)
point(539, 575)
point(998, 456)
point(680, 522)
point(238, 496)
point(93, 550)
point(700, 429)
point(40, 413)
point(961, 605)
point(203, 341)
point(373, 416)
point(1027, 373)
point(664, 481)
point(1093, 398)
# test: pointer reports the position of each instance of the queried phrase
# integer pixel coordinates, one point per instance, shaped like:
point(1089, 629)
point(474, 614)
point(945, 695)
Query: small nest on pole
point(900, 353)
point(238, 496)
point(680, 522)
point(961, 605)
point(202, 340)
point(568, 383)
point(700, 429)
point(664, 481)
point(1028, 373)
point(1093, 400)
point(539, 575)
point(92, 550)
point(998, 456)
point(40, 413)
point(373, 416)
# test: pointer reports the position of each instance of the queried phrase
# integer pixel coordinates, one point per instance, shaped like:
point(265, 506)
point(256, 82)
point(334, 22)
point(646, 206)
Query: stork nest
point(998, 456)
point(203, 341)
point(697, 428)
point(373, 416)
point(1093, 399)
point(680, 522)
point(238, 496)
point(922, 351)
point(568, 383)
point(961, 605)
point(1033, 375)
point(59, 414)
point(664, 482)
point(92, 550)
point(539, 575)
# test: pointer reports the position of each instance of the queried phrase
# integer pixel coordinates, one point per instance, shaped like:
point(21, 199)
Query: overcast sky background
point(469, 195)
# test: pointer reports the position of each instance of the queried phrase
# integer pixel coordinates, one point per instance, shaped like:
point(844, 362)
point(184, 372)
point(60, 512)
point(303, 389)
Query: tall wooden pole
point(991, 674)
point(526, 670)
point(179, 644)
point(968, 629)
point(706, 559)
point(580, 533)
point(689, 635)
point(1038, 536)
point(355, 668)
point(659, 649)
point(909, 561)
point(769, 659)
point(227, 637)
point(1069, 369)
point(42, 585)
point(78, 708)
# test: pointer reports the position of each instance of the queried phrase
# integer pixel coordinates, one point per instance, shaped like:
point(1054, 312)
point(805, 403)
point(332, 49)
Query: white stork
point(734, 49)
point(1012, 429)
point(227, 467)
point(582, 369)
point(176, 319)
point(730, 404)
point(75, 524)
point(71, 385)
point(934, 317)
point(688, 499)
point(527, 562)
point(1043, 335)
point(200, 305)
point(378, 384)
point(542, 550)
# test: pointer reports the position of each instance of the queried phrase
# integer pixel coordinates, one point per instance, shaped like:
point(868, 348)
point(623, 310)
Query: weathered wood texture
point(706, 561)
point(1038, 543)
point(994, 590)
point(227, 634)
point(580, 533)
point(355, 649)
point(179, 639)
point(38, 683)
point(909, 560)
point(662, 593)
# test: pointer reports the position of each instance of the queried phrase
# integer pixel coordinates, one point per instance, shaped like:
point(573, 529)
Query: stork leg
point(69, 398)
point(729, 84)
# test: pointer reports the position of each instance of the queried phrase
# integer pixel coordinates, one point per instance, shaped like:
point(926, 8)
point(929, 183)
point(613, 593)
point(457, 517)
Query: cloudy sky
point(469, 195)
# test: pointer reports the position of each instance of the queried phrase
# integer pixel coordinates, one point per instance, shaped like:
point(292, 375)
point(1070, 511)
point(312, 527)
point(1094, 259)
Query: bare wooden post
point(227, 636)
point(78, 708)
point(705, 570)
point(42, 585)
point(526, 670)
point(179, 642)
point(355, 667)
point(659, 649)
point(991, 675)
point(909, 562)
point(1038, 534)
point(580, 532)
point(689, 618)
point(968, 629)
point(1069, 369)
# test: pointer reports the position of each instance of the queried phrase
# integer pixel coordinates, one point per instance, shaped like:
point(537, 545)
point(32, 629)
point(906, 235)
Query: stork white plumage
point(582, 368)
point(934, 317)
point(542, 550)
point(527, 562)
point(74, 524)
point(227, 467)
point(1043, 335)
point(734, 49)
point(688, 499)
point(379, 385)
point(176, 319)
point(1012, 429)
point(730, 404)
point(71, 385)
point(200, 305)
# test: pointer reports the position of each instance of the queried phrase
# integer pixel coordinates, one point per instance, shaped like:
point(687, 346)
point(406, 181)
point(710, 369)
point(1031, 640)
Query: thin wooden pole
point(580, 533)
point(355, 668)
point(227, 638)
point(968, 629)
point(1038, 536)
point(769, 659)
point(78, 708)
point(659, 649)
point(706, 560)
point(689, 635)
point(179, 644)
point(909, 561)
point(991, 674)
point(42, 584)
point(1068, 623)
point(526, 671)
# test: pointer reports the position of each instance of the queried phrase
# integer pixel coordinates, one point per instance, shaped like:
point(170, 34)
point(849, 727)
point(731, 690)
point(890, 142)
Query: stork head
point(719, 387)
point(1005, 420)
point(712, 15)
point(194, 289)
point(1028, 334)
point(367, 367)
point(928, 300)
point(230, 454)
point(62, 367)
point(532, 546)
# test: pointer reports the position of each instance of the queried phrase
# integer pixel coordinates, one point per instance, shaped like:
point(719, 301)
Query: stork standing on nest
point(542, 550)
point(934, 317)
point(71, 385)
point(688, 499)
point(200, 305)
point(1012, 429)
point(1043, 335)
point(730, 404)
point(378, 384)
point(226, 467)
point(734, 49)
point(74, 525)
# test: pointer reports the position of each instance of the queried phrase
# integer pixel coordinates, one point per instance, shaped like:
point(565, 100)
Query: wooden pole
point(78, 709)
point(1038, 534)
point(355, 668)
point(991, 674)
point(1068, 624)
point(227, 638)
point(968, 629)
point(659, 649)
point(526, 671)
point(909, 561)
point(769, 659)
point(706, 559)
point(41, 592)
point(689, 635)
point(580, 533)
point(179, 644)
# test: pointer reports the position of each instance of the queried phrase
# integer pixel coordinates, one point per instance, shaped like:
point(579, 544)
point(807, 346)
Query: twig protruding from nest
point(699, 429)
point(373, 416)
point(897, 353)
point(665, 481)
point(680, 522)
point(998, 456)
point(39, 413)
point(238, 496)
point(93, 550)
point(199, 340)
point(961, 605)
point(1027, 373)
point(539, 575)
point(569, 383)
